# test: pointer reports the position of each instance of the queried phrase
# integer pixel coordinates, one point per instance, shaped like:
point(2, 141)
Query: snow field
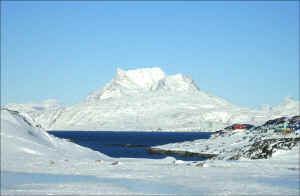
point(34, 162)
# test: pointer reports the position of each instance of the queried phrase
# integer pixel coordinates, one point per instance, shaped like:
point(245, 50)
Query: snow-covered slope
point(148, 99)
point(42, 113)
point(289, 107)
point(35, 163)
point(21, 140)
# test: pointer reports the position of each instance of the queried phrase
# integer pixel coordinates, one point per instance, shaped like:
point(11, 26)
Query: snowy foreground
point(33, 162)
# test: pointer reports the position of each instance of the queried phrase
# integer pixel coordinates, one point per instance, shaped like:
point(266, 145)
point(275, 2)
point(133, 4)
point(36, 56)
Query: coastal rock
point(258, 143)
point(179, 152)
point(266, 148)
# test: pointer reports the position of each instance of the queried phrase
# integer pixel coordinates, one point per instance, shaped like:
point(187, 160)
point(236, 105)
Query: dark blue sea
point(126, 144)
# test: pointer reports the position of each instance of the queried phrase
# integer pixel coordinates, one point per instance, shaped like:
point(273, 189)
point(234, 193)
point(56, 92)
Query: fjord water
point(129, 144)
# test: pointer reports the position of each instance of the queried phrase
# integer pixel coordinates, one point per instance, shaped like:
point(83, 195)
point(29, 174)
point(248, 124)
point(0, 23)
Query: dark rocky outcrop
point(179, 152)
point(249, 143)
point(265, 148)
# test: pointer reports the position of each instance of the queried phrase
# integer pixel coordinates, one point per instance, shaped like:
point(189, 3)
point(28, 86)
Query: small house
point(239, 126)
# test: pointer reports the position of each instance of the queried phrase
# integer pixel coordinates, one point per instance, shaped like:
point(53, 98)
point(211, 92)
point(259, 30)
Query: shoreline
point(160, 131)
point(155, 150)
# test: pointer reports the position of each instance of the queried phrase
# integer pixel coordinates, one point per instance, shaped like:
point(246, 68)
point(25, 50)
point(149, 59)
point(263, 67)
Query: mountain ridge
point(148, 99)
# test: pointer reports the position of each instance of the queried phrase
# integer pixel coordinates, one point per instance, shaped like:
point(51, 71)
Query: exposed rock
point(259, 143)
point(200, 164)
point(265, 148)
point(116, 163)
point(179, 152)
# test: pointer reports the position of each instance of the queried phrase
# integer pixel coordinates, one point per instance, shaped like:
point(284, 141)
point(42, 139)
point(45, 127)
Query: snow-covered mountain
point(42, 113)
point(148, 99)
point(142, 81)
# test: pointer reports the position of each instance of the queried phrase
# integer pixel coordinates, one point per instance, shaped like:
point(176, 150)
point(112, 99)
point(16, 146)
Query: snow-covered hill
point(42, 113)
point(261, 142)
point(148, 99)
point(23, 143)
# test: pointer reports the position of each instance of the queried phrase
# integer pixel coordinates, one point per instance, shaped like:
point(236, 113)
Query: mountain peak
point(139, 78)
point(143, 80)
point(289, 104)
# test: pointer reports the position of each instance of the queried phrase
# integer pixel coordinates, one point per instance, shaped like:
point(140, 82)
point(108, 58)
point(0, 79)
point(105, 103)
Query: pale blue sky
point(245, 52)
